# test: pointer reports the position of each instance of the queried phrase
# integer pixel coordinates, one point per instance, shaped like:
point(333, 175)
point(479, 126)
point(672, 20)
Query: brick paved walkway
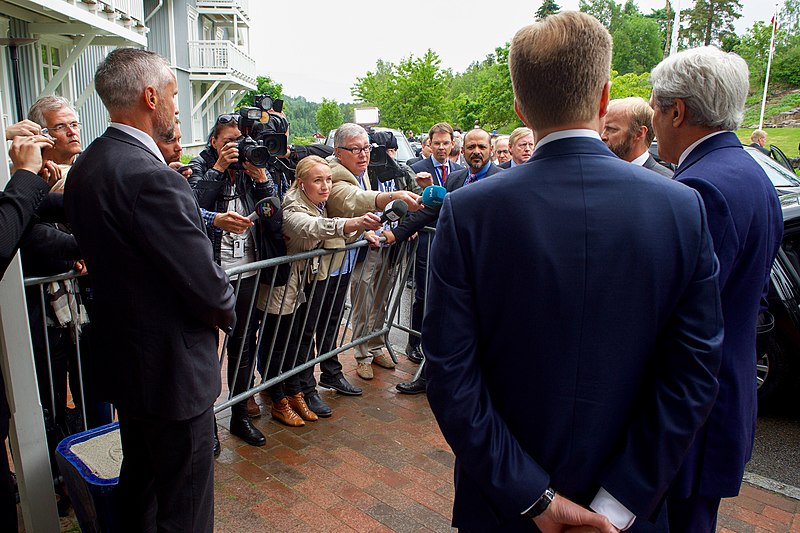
point(380, 464)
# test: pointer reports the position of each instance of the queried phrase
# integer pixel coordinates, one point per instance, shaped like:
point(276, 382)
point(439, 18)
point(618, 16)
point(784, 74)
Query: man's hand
point(373, 240)
point(563, 513)
point(26, 152)
point(389, 237)
point(424, 179)
point(50, 173)
point(177, 165)
point(232, 222)
point(259, 175)
point(227, 156)
point(411, 199)
point(24, 128)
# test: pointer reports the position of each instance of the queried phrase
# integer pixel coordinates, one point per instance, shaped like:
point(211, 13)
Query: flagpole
point(676, 26)
point(769, 65)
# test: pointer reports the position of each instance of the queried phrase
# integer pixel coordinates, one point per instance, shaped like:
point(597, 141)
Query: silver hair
point(45, 104)
point(124, 74)
point(347, 131)
point(713, 85)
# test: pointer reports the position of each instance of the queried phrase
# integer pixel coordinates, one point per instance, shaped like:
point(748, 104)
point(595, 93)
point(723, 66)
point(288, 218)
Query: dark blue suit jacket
point(426, 165)
point(572, 333)
point(744, 217)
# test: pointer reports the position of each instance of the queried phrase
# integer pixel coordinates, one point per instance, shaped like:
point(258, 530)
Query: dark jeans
point(167, 478)
point(327, 303)
point(420, 281)
point(284, 356)
point(243, 338)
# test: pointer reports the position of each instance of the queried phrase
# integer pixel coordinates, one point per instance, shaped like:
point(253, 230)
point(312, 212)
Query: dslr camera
point(261, 142)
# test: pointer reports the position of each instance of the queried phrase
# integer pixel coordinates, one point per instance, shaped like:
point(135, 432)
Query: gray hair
point(713, 85)
point(639, 113)
point(46, 104)
point(347, 131)
point(125, 72)
point(758, 134)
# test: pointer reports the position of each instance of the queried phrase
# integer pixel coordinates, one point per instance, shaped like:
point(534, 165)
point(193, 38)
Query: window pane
point(55, 56)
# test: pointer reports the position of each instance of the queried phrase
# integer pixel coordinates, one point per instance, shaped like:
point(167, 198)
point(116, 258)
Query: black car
point(779, 328)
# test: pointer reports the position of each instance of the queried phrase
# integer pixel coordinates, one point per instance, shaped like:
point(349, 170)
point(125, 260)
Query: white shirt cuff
point(608, 506)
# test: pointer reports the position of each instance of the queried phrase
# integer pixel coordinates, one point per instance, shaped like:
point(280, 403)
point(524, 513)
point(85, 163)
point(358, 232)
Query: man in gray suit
point(628, 132)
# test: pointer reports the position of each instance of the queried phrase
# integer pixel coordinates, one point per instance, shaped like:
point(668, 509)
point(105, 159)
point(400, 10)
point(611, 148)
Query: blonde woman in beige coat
point(306, 226)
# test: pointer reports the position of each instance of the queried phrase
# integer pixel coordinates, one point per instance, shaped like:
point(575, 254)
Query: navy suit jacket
point(427, 215)
point(572, 333)
point(745, 220)
point(158, 295)
point(426, 165)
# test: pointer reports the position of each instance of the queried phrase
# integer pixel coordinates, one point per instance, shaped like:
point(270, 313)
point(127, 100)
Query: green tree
point(497, 94)
point(789, 18)
point(637, 45)
point(606, 11)
point(265, 85)
point(630, 84)
point(754, 48)
point(710, 20)
point(329, 116)
point(301, 115)
point(548, 7)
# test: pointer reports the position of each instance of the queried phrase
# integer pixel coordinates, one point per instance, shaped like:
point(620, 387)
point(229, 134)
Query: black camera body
point(383, 167)
point(260, 142)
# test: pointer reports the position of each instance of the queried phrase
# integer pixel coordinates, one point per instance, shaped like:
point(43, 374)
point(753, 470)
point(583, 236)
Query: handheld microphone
point(394, 211)
point(265, 208)
point(433, 196)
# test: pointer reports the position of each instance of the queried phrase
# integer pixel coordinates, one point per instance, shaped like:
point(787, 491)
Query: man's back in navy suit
point(573, 325)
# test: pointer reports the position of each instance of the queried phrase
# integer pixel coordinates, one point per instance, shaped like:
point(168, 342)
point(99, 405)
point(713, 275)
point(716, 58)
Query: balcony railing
point(222, 58)
point(222, 6)
point(128, 9)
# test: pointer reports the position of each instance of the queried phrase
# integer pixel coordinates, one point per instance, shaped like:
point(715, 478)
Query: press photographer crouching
point(228, 177)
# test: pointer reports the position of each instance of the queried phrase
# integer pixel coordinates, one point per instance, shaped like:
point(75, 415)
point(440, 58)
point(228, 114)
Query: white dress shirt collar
point(565, 134)
point(641, 159)
point(140, 136)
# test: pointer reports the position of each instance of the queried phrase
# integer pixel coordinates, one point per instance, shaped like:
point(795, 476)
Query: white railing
point(241, 5)
point(221, 57)
point(128, 9)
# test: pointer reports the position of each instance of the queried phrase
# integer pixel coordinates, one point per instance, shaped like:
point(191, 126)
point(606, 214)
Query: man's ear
point(604, 98)
point(519, 113)
point(150, 97)
point(678, 113)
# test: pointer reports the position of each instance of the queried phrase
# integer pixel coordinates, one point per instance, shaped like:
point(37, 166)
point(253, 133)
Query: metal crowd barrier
point(393, 269)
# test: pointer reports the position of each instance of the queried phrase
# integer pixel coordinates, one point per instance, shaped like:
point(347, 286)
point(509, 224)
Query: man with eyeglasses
point(351, 195)
point(501, 152)
point(520, 146)
point(55, 118)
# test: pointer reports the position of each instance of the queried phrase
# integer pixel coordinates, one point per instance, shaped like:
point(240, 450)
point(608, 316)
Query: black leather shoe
point(412, 387)
point(245, 430)
point(414, 354)
point(341, 385)
point(318, 405)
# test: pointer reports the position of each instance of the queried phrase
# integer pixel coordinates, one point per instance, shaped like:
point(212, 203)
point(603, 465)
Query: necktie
point(444, 173)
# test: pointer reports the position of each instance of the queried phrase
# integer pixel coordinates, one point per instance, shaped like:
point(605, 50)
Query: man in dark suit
point(746, 224)
point(158, 298)
point(478, 154)
point(22, 196)
point(571, 355)
point(759, 140)
point(628, 132)
point(433, 170)
point(520, 147)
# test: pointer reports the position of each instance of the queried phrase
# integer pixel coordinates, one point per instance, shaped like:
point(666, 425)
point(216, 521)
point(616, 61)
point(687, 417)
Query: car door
point(778, 155)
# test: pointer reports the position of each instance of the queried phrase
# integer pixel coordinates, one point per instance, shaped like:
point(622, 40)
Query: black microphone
point(265, 208)
point(394, 211)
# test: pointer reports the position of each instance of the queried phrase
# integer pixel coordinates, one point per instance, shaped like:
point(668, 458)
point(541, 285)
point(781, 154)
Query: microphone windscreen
point(433, 195)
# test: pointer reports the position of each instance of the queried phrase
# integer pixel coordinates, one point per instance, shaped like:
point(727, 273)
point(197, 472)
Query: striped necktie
point(444, 173)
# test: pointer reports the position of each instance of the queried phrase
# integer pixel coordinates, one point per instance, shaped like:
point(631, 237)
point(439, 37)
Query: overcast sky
point(318, 48)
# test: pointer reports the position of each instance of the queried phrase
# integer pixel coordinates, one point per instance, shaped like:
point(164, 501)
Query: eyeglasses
point(502, 152)
point(355, 151)
point(60, 128)
point(227, 119)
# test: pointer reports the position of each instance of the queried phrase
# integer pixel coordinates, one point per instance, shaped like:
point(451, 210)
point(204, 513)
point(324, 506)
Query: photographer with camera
point(226, 179)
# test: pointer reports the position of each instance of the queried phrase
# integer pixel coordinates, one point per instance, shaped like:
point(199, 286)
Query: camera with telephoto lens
point(249, 149)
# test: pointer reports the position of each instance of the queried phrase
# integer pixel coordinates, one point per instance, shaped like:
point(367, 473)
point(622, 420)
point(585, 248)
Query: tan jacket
point(347, 198)
point(304, 228)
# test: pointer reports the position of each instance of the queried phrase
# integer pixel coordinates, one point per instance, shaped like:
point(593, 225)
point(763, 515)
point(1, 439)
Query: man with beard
point(628, 132)
point(477, 152)
point(158, 298)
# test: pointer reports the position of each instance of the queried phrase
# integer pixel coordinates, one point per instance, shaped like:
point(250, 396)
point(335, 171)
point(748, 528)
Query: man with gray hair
point(159, 299)
point(698, 99)
point(628, 132)
point(520, 147)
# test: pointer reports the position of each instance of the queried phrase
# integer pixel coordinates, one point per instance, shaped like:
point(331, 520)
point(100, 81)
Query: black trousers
point(420, 281)
point(244, 338)
point(281, 333)
point(167, 478)
point(327, 303)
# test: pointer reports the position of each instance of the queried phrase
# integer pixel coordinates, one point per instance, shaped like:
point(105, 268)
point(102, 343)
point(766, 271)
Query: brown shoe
point(384, 361)
point(364, 371)
point(298, 404)
point(253, 410)
point(283, 413)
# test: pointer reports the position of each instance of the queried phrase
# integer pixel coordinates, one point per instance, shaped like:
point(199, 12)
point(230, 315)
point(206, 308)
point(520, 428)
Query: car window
point(779, 176)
